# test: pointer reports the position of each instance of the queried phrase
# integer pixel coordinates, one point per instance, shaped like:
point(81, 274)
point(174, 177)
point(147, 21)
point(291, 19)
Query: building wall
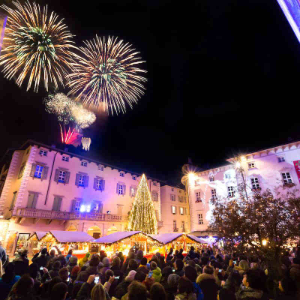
point(267, 169)
point(166, 207)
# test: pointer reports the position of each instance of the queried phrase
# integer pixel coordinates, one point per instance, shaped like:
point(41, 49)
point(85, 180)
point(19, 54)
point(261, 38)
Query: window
point(180, 198)
point(231, 192)
point(84, 163)
point(65, 158)
point(281, 159)
point(57, 203)
point(198, 197)
point(122, 174)
point(132, 191)
point(12, 205)
point(174, 226)
point(286, 178)
point(173, 208)
point(154, 183)
point(32, 200)
point(185, 211)
point(43, 153)
point(99, 184)
point(172, 189)
point(21, 171)
point(97, 207)
point(100, 167)
point(172, 196)
point(183, 226)
point(134, 177)
point(121, 189)
point(200, 219)
point(38, 171)
point(211, 178)
point(179, 191)
point(228, 176)
point(181, 210)
point(62, 176)
point(154, 196)
point(255, 183)
point(82, 180)
point(76, 205)
point(213, 194)
point(251, 165)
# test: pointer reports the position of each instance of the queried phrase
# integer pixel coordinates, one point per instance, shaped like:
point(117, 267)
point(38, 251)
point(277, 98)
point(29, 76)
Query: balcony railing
point(58, 215)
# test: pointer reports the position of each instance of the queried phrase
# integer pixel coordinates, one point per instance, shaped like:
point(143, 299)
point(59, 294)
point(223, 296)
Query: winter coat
point(245, 293)
point(157, 274)
point(185, 296)
point(6, 287)
point(143, 269)
point(179, 273)
point(3, 255)
point(198, 291)
point(121, 289)
point(139, 256)
point(208, 285)
point(84, 292)
point(21, 266)
point(84, 260)
point(41, 260)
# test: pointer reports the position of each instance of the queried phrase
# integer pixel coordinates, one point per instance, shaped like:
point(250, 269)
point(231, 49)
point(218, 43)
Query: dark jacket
point(21, 266)
point(6, 287)
point(121, 289)
point(143, 269)
point(84, 292)
point(3, 255)
point(41, 260)
point(250, 294)
point(208, 286)
point(179, 273)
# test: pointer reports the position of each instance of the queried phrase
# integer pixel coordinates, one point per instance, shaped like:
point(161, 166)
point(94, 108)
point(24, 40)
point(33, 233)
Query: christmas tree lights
point(143, 215)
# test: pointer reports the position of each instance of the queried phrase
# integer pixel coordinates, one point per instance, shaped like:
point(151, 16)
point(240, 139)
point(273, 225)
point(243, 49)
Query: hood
point(205, 276)
point(130, 276)
point(157, 271)
point(73, 260)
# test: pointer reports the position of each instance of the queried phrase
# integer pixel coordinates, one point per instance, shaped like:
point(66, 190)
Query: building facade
point(45, 188)
point(276, 169)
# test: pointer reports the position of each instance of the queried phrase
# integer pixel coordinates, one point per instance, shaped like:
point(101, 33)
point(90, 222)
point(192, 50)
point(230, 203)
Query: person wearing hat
point(122, 287)
point(72, 263)
point(84, 260)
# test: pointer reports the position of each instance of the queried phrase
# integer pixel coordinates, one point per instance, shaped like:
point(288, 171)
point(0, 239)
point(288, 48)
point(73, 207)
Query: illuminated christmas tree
point(142, 216)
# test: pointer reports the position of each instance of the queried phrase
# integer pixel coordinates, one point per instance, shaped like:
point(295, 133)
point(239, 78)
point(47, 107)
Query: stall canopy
point(38, 235)
point(70, 236)
point(166, 238)
point(196, 239)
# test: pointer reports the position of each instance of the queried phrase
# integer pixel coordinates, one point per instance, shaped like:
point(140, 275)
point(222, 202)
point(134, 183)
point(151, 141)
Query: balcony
point(37, 214)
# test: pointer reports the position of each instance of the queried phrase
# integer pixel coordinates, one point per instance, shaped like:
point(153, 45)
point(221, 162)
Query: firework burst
point(37, 46)
point(105, 74)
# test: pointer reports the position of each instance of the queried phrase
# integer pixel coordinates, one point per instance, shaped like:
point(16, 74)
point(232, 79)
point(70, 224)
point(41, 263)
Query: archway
point(94, 231)
point(72, 228)
point(112, 229)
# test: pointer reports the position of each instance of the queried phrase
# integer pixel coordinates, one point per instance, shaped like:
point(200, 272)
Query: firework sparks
point(105, 75)
point(37, 46)
point(82, 117)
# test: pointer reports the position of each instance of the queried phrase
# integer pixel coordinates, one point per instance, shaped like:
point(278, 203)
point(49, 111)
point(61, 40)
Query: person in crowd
point(122, 287)
point(46, 288)
point(74, 273)
point(23, 289)
point(170, 255)
point(233, 281)
point(80, 280)
point(98, 292)
point(191, 273)
point(55, 269)
point(84, 260)
point(116, 268)
point(179, 267)
point(207, 283)
point(35, 274)
point(143, 266)
point(157, 292)
point(121, 256)
point(192, 254)
point(226, 294)
point(21, 263)
point(139, 256)
point(295, 272)
point(130, 257)
point(243, 267)
point(171, 288)
point(106, 264)
point(93, 264)
point(180, 255)
point(73, 260)
point(132, 265)
point(156, 271)
point(102, 255)
point(166, 272)
point(137, 291)
point(64, 276)
point(252, 288)
point(69, 255)
point(59, 291)
point(41, 258)
point(8, 280)
point(288, 289)
point(185, 290)
point(3, 256)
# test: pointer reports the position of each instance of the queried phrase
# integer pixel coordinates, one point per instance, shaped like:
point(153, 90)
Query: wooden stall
point(34, 241)
point(78, 241)
point(125, 240)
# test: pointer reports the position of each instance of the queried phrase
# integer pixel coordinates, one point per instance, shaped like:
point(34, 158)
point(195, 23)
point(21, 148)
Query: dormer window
point(154, 183)
point(122, 174)
point(84, 163)
point(65, 158)
point(281, 159)
point(43, 152)
point(100, 167)
point(134, 177)
point(251, 165)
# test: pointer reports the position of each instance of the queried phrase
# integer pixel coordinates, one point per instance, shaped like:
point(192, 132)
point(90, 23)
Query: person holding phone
point(41, 258)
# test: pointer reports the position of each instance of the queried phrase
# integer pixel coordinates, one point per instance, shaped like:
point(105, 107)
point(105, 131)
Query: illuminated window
point(121, 189)
point(213, 194)
point(227, 176)
point(43, 153)
point(200, 219)
point(251, 165)
point(181, 210)
point(154, 196)
point(180, 198)
point(173, 198)
point(174, 210)
point(132, 191)
point(76, 206)
point(99, 184)
point(38, 171)
point(281, 159)
point(84, 163)
point(198, 197)
point(85, 208)
point(65, 158)
point(231, 191)
point(286, 178)
point(62, 176)
point(134, 177)
point(255, 183)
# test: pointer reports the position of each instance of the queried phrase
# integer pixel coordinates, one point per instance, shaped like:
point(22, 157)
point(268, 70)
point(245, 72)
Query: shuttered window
point(121, 189)
point(82, 180)
point(32, 200)
point(57, 203)
point(99, 184)
point(62, 176)
point(39, 171)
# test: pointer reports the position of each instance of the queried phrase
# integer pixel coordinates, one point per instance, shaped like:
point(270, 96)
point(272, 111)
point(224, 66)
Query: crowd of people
point(200, 275)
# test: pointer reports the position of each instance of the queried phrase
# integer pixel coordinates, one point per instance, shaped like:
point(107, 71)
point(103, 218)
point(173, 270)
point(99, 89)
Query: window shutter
point(100, 207)
point(124, 189)
point(35, 200)
point(73, 205)
point(59, 200)
point(171, 197)
point(77, 179)
point(54, 207)
point(171, 209)
point(117, 191)
point(30, 200)
point(67, 177)
point(175, 210)
point(56, 175)
point(102, 185)
point(86, 181)
point(33, 167)
point(45, 172)
point(95, 183)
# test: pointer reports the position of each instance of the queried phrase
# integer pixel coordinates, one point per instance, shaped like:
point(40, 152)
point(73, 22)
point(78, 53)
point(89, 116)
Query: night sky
point(223, 78)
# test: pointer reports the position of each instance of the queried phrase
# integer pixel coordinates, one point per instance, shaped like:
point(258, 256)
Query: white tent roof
point(39, 234)
point(115, 237)
point(71, 236)
point(166, 238)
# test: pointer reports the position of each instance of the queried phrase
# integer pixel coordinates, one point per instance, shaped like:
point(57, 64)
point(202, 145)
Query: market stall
point(78, 241)
point(34, 241)
point(125, 240)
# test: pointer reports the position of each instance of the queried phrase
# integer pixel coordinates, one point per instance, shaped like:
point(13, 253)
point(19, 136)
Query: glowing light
point(105, 75)
point(36, 46)
point(191, 176)
point(237, 164)
point(264, 242)
point(86, 143)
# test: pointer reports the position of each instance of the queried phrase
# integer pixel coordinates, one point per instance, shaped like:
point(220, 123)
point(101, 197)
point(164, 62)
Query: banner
point(297, 168)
